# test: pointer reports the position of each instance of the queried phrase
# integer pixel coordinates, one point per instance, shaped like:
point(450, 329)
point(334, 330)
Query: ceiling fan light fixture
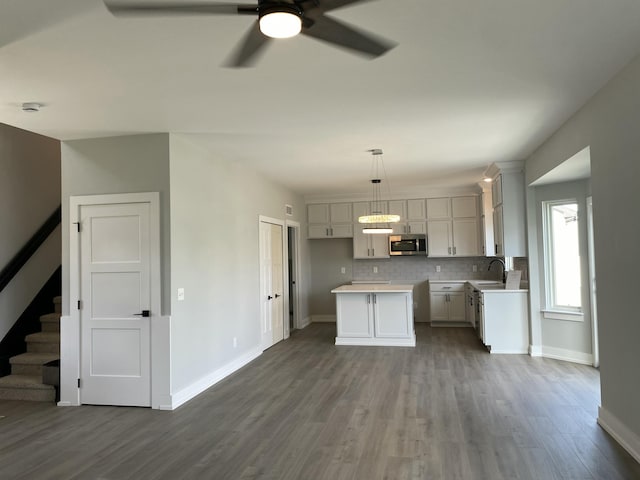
point(280, 22)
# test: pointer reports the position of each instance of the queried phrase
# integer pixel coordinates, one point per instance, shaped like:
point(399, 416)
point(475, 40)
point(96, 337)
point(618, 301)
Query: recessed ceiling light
point(31, 107)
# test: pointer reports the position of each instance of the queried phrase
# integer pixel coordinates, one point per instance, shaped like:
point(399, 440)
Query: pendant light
point(378, 221)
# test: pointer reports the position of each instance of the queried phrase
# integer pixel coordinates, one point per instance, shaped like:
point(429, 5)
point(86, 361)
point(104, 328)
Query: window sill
point(563, 315)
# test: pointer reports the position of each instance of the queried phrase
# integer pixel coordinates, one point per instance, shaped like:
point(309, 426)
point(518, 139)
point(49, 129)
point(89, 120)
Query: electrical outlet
point(235, 342)
point(181, 294)
point(438, 268)
point(375, 269)
point(343, 270)
point(475, 268)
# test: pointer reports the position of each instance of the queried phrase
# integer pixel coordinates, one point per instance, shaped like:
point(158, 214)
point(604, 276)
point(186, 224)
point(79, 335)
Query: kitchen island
point(375, 314)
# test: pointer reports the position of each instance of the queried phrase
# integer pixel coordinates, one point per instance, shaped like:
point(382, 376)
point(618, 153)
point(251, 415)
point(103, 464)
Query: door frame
point(296, 268)
point(285, 276)
point(592, 283)
point(70, 345)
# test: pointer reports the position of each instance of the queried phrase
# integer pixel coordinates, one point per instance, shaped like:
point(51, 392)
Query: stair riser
point(43, 347)
point(50, 327)
point(26, 369)
point(58, 308)
point(27, 394)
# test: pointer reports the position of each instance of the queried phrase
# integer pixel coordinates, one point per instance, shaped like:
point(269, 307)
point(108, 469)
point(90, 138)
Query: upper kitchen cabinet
point(486, 221)
point(412, 215)
point(452, 226)
point(369, 246)
point(367, 208)
point(330, 220)
point(508, 200)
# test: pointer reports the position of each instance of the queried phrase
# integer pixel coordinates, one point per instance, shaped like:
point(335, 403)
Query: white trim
point(562, 315)
point(70, 344)
point(214, 377)
point(567, 355)
point(535, 350)
point(592, 284)
point(379, 342)
point(620, 432)
point(323, 318)
point(519, 351)
point(304, 323)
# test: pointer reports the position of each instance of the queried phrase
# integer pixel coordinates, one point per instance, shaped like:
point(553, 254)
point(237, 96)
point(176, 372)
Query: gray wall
point(130, 164)
point(29, 193)
point(215, 209)
point(608, 125)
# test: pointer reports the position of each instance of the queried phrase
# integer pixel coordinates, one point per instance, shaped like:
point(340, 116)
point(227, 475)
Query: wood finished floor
point(307, 409)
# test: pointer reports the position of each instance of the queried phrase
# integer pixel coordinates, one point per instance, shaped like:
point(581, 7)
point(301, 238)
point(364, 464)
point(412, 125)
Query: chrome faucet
point(504, 268)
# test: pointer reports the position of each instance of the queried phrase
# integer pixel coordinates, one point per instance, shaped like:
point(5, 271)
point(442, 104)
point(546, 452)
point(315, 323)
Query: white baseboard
point(619, 431)
point(323, 318)
point(567, 355)
point(305, 323)
point(65, 404)
point(535, 350)
point(214, 377)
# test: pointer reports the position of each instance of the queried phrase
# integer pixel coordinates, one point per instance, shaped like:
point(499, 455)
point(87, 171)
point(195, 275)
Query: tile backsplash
point(417, 269)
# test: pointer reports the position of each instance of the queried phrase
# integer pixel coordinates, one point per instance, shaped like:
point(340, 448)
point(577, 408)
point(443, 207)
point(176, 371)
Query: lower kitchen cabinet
point(447, 302)
point(504, 321)
point(375, 315)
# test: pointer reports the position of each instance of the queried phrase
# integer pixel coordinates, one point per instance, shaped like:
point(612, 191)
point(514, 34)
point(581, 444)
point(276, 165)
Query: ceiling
point(470, 82)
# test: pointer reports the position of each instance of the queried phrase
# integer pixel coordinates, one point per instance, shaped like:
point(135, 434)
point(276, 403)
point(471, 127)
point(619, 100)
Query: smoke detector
point(31, 107)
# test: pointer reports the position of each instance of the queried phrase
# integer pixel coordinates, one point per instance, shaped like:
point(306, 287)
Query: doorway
point(272, 281)
point(293, 262)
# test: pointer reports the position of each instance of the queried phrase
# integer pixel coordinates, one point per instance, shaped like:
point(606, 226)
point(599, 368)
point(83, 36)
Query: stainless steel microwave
point(415, 244)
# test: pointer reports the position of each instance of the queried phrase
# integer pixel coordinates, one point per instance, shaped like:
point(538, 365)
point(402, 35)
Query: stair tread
point(43, 337)
point(33, 358)
point(32, 382)
point(50, 317)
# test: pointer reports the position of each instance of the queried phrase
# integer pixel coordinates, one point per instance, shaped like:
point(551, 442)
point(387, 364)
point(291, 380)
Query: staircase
point(28, 369)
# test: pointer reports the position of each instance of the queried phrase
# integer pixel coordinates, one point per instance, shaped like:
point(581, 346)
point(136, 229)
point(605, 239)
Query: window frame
point(552, 309)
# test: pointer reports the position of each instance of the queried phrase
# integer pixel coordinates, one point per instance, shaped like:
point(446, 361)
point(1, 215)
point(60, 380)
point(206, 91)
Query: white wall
point(608, 124)
point(215, 206)
point(29, 194)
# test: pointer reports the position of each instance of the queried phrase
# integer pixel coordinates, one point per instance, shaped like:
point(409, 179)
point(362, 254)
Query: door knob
point(276, 295)
point(269, 297)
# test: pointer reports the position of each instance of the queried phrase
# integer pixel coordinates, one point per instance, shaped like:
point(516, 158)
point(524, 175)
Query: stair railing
point(22, 257)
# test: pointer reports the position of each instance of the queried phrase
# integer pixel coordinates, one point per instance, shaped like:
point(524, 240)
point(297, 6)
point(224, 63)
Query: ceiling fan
point(275, 19)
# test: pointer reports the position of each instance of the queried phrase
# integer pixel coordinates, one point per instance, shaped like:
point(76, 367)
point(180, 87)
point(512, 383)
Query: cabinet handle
point(374, 298)
point(496, 248)
point(373, 252)
point(454, 250)
point(368, 299)
point(409, 229)
point(331, 230)
point(449, 249)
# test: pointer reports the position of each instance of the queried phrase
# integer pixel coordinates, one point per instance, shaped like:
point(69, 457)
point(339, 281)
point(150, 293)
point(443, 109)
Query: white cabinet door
point(341, 231)
point(392, 315)
point(318, 213)
point(456, 307)
point(439, 307)
point(439, 238)
point(417, 227)
point(498, 233)
point(465, 237)
point(398, 207)
point(341, 213)
point(496, 191)
point(464, 207)
point(379, 246)
point(438, 208)
point(354, 311)
point(319, 231)
point(416, 209)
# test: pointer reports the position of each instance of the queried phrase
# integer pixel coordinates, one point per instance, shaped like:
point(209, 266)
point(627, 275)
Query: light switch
point(375, 269)
point(343, 270)
point(181, 294)
point(437, 268)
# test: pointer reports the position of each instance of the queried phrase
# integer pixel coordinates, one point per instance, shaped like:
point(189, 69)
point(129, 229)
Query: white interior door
point(115, 290)
point(271, 283)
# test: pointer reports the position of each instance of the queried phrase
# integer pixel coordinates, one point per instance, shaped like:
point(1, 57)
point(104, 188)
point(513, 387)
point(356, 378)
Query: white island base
point(373, 314)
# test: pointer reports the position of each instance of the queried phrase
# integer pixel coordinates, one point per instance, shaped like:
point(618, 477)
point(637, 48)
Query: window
point(562, 256)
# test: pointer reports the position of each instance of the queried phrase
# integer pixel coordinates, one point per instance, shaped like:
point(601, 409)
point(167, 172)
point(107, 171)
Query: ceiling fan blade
point(337, 33)
point(247, 52)
point(328, 5)
point(118, 8)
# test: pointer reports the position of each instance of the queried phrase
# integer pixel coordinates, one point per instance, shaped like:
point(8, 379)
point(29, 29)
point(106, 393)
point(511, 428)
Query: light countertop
point(484, 286)
point(373, 288)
